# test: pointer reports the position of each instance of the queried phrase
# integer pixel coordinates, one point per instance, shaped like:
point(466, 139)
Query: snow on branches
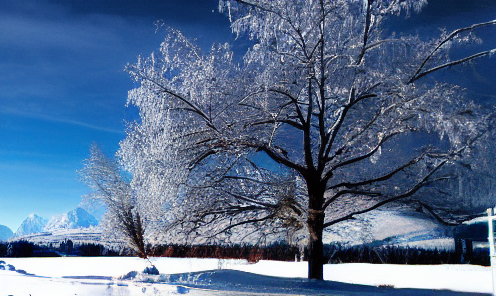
point(323, 92)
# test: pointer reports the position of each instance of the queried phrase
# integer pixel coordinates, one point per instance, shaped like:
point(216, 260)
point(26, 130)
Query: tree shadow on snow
point(232, 280)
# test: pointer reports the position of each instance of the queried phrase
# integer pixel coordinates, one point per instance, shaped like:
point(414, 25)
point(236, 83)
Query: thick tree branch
point(366, 31)
point(333, 131)
point(194, 108)
point(294, 101)
point(282, 160)
point(248, 199)
point(414, 189)
point(285, 121)
point(439, 219)
point(353, 192)
point(384, 177)
point(365, 156)
point(307, 146)
point(453, 63)
point(418, 73)
point(249, 221)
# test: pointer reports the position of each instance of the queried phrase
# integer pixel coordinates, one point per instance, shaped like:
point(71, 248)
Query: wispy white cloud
point(90, 126)
point(33, 113)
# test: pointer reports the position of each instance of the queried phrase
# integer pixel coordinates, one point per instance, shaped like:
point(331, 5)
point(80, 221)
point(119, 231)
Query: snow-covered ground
point(100, 276)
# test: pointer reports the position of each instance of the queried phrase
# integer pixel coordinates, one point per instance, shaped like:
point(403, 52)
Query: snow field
point(114, 266)
point(463, 278)
point(59, 275)
point(13, 283)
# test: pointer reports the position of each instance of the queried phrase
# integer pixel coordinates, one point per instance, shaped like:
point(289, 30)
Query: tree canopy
point(348, 109)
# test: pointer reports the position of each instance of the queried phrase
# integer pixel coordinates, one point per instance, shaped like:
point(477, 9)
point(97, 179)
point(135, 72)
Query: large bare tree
point(350, 111)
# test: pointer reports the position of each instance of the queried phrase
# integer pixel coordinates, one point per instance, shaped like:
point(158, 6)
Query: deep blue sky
point(62, 84)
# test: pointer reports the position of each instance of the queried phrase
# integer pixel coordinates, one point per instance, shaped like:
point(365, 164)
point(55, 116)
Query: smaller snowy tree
point(111, 188)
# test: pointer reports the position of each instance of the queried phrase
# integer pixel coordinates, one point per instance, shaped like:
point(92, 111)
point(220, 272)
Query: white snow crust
point(101, 276)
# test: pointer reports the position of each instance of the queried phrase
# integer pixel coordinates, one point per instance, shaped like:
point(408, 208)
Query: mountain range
point(77, 218)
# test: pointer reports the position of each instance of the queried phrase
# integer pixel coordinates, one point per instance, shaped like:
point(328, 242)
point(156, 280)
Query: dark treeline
point(25, 249)
point(64, 248)
point(333, 253)
point(277, 251)
point(95, 250)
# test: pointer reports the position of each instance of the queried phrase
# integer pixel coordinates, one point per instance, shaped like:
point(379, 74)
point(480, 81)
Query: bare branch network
point(345, 113)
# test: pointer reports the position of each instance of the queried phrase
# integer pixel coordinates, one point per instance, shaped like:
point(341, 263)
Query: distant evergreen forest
point(333, 253)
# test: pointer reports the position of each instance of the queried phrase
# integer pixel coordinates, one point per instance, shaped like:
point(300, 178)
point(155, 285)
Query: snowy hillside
point(77, 218)
point(32, 224)
point(5, 233)
point(391, 227)
point(78, 235)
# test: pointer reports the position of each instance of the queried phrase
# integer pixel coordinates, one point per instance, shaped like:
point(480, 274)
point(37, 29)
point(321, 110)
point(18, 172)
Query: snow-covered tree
point(111, 189)
point(349, 110)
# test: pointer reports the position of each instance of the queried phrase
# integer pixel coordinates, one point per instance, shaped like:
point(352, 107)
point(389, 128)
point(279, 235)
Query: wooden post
point(490, 213)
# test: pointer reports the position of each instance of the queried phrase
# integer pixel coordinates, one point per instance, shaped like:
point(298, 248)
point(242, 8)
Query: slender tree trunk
point(315, 225)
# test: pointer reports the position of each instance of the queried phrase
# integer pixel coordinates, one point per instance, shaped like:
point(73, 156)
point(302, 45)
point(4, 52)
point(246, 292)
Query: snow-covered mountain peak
point(77, 218)
point(32, 224)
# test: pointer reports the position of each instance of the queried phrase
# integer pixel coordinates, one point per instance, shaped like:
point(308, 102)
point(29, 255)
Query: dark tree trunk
point(315, 248)
point(315, 225)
